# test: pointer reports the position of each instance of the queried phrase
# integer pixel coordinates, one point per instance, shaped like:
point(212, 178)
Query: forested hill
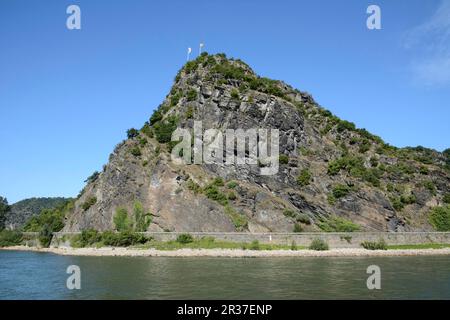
point(20, 212)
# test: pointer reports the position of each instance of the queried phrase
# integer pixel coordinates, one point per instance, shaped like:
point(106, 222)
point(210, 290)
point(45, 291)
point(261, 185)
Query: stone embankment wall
point(334, 240)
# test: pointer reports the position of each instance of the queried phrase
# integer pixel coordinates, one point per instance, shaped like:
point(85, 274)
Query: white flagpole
point(189, 53)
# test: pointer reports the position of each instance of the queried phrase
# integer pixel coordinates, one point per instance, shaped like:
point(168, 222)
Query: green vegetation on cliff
point(121, 220)
point(139, 222)
point(338, 224)
point(49, 221)
point(440, 218)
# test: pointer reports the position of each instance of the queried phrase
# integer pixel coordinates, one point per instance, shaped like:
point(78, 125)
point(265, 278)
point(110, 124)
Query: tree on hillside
point(132, 133)
point(4, 208)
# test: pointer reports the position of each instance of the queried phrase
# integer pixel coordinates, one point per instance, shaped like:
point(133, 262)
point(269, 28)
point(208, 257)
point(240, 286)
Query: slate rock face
point(226, 94)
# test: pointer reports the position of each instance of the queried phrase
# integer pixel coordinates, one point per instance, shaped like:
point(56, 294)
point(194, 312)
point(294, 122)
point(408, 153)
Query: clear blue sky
point(68, 97)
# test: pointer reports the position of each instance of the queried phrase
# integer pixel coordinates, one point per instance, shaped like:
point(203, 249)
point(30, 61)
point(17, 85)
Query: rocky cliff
point(331, 175)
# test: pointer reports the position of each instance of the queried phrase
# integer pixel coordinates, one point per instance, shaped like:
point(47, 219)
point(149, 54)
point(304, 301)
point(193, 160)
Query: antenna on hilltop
point(200, 49)
point(189, 53)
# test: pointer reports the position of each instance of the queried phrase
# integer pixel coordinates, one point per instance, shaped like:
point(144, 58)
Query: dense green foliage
point(49, 221)
point(138, 223)
point(147, 130)
point(163, 130)
point(230, 71)
point(337, 224)
point(266, 85)
point(4, 209)
point(132, 133)
point(91, 237)
point(185, 238)
point(10, 238)
point(289, 213)
point(36, 205)
point(190, 66)
point(372, 245)
point(345, 125)
point(232, 184)
point(121, 220)
point(440, 218)
point(90, 201)
point(218, 182)
point(51, 218)
point(397, 203)
point(340, 190)
point(283, 159)
point(141, 219)
point(123, 239)
point(86, 238)
point(93, 177)
point(136, 151)
point(355, 167)
point(45, 236)
point(346, 162)
point(213, 193)
point(318, 245)
point(304, 178)
point(156, 117)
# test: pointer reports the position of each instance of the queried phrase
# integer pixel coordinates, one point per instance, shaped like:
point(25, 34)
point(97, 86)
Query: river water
point(30, 275)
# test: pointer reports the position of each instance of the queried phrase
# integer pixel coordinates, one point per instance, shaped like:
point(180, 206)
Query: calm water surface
point(28, 275)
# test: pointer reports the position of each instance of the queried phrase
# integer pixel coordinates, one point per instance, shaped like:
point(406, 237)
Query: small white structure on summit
point(189, 53)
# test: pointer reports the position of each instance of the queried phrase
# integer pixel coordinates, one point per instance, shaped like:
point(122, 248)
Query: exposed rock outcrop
point(327, 166)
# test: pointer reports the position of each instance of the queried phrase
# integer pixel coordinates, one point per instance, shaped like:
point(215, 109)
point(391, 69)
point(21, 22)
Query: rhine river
point(30, 275)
